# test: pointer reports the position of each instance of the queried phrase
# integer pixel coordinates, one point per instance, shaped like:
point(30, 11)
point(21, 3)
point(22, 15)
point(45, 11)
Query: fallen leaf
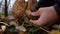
point(3, 27)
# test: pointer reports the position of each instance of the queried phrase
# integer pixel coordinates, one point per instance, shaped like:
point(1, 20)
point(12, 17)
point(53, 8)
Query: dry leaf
point(22, 32)
point(55, 32)
point(3, 27)
point(19, 8)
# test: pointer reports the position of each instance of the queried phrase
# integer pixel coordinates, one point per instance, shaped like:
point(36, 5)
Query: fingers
point(41, 21)
point(33, 21)
point(37, 13)
point(36, 22)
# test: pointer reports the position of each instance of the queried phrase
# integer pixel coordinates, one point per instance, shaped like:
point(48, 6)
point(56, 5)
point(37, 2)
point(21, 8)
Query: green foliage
point(11, 29)
point(26, 19)
point(1, 14)
point(34, 29)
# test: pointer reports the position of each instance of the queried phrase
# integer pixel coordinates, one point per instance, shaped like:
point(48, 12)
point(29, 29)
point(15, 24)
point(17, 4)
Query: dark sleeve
point(45, 3)
point(57, 6)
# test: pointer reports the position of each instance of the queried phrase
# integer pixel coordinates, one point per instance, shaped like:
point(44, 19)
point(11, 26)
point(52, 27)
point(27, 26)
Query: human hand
point(47, 14)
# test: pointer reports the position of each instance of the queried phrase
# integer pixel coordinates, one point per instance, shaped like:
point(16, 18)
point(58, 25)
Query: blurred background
point(9, 5)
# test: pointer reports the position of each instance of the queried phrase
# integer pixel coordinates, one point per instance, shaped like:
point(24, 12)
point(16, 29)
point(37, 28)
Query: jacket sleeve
point(57, 6)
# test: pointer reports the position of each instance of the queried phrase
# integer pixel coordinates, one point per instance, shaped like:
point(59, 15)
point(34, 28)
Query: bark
point(6, 7)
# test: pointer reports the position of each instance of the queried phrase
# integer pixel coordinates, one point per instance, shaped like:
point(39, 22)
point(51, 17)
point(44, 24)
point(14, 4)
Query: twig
point(4, 23)
point(45, 30)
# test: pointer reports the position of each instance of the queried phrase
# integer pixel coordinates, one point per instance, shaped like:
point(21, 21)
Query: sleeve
point(57, 6)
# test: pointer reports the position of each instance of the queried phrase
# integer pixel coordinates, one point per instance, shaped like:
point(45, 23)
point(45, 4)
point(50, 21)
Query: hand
point(47, 14)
